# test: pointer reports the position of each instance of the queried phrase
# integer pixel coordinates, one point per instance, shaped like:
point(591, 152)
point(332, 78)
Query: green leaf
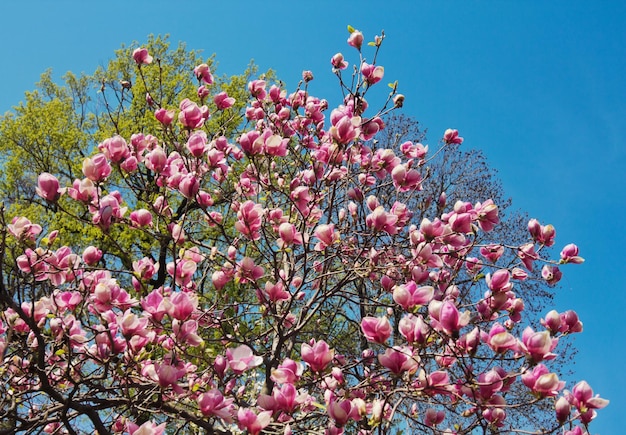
point(350, 28)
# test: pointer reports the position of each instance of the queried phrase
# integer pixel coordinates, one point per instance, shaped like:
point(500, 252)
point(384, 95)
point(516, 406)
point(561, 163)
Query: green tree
point(60, 124)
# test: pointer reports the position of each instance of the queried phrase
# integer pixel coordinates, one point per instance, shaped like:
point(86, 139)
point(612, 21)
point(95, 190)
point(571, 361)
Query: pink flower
point(164, 116)
point(141, 218)
point(115, 149)
point(451, 136)
point(288, 371)
point(249, 220)
point(91, 255)
point(241, 359)
point(487, 215)
point(148, 428)
point(317, 355)
point(307, 76)
point(376, 329)
point(97, 168)
point(551, 274)
point(538, 345)
point(569, 254)
point(191, 116)
point(257, 89)
point(356, 39)
point(214, 403)
point(223, 101)
point(253, 423)
point(541, 234)
point(542, 382)
point(432, 417)
point(446, 316)
point(583, 399)
point(48, 187)
point(409, 295)
point(500, 340)
point(399, 359)
point(527, 254)
point(346, 129)
point(499, 281)
point(203, 73)
point(338, 62)
point(342, 411)
point(326, 235)
point(141, 56)
point(563, 409)
point(197, 143)
point(372, 73)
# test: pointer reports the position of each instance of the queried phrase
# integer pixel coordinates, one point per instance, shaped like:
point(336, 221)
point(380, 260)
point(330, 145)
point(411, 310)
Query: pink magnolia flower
point(164, 116)
point(409, 295)
point(249, 220)
point(376, 329)
point(551, 274)
point(569, 254)
point(432, 417)
point(414, 329)
point(48, 187)
point(538, 345)
point(372, 73)
point(582, 398)
point(214, 403)
point(356, 39)
point(399, 359)
point(446, 316)
point(223, 101)
point(241, 359)
point(499, 281)
point(487, 215)
point(451, 136)
point(541, 382)
point(141, 218)
point(97, 168)
point(181, 305)
point(148, 428)
point(527, 254)
point(346, 129)
point(500, 340)
point(203, 73)
point(191, 116)
point(343, 411)
point(326, 235)
point(257, 89)
point(248, 271)
point(288, 371)
point(141, 56)
point(197, 143)
point(338, 62)
point(317, 355)
point(492, 252)
point(91, 255)
point(254, 423)
point(115, 149)
point(563, 409)
point(541, 234)
point(276, 292)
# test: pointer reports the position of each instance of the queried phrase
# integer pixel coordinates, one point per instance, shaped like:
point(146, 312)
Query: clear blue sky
point(540, 87)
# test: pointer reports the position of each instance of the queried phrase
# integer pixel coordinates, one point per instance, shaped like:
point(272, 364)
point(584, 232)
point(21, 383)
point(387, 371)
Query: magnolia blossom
point(241, 359)
point(141, 56)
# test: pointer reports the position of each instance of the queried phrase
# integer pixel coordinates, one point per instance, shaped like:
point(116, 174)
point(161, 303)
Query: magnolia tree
point(282, 283)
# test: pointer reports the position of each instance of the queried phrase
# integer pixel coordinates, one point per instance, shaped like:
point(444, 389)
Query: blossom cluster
point(288, 285)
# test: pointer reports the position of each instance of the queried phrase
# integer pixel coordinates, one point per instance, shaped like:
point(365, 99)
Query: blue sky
point(540, 87)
